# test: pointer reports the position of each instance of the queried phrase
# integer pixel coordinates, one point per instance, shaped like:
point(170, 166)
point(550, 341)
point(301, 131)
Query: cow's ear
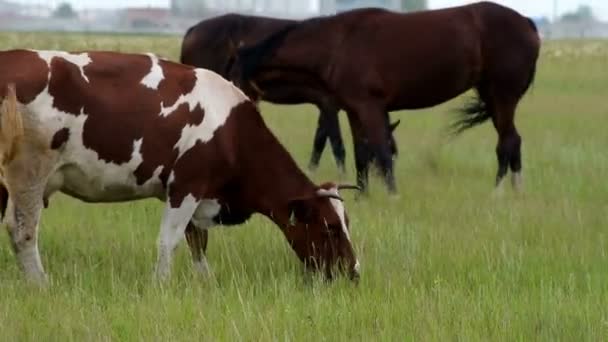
point(301, 210)
point(394, 125)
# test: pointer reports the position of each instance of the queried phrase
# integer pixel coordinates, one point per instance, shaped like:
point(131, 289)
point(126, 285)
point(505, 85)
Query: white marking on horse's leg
point(499, 190)
point(173, 226)
point(155, 76)
point(516, 181)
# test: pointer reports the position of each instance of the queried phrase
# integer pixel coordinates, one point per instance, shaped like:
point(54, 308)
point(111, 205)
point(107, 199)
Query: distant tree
point(64, 10)
point(582, 13)
point(413, 5)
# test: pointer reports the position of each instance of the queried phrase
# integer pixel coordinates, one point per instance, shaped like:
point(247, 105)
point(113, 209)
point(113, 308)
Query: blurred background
point(556, 19)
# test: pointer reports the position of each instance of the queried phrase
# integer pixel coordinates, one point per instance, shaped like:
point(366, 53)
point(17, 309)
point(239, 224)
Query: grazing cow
point(110, 127)
point(373, 61)
point(211, 44)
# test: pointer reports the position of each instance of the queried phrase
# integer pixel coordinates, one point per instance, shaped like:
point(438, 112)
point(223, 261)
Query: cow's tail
point(11, 125)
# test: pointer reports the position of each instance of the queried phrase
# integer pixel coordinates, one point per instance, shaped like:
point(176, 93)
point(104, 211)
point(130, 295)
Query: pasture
point(446, 260)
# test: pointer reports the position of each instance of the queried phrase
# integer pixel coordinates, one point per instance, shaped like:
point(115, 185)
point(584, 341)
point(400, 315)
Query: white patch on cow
point(216, 97)
point(339, 208)
point(204, 214)
point(80, 60)
point(155, 76)
point(340, 211)
point(172, 229)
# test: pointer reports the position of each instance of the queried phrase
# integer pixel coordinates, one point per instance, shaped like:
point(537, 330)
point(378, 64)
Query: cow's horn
point(348, 187)
point(329, 194)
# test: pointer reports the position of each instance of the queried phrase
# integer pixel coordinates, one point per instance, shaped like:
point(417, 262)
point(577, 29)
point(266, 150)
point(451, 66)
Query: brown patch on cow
point(218, 159)
point(26, 70)
point(60, 138)
point(64, 72)
point(205, 161)
point(155, 150)
point(170, 88)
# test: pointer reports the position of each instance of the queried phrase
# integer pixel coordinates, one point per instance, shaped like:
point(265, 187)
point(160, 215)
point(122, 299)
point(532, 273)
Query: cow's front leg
point(197, 242)
point(197, 233)
point(23, 215)
point(174, 223)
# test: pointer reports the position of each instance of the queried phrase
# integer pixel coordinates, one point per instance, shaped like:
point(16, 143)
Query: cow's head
point(318, 231)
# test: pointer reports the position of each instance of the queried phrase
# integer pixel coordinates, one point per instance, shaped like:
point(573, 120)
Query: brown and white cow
point(110, 127)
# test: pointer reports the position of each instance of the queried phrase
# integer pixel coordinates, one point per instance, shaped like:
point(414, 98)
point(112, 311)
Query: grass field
point(445, 261)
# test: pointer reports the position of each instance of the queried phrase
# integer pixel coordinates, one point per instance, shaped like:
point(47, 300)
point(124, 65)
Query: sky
point(526, 7)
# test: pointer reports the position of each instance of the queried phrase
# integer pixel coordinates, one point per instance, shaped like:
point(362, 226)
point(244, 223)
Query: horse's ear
point(394, 125)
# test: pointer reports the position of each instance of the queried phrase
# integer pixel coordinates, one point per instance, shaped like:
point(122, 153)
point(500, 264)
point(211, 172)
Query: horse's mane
point(251, 57)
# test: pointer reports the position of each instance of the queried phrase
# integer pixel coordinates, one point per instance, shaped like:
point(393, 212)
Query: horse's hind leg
point(508, 149)
point(318, 144)
point(335, 138)
point(328, 126)
point(369, 127)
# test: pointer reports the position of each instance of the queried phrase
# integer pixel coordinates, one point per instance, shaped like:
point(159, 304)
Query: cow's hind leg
point(173, 226)
point(23, 215)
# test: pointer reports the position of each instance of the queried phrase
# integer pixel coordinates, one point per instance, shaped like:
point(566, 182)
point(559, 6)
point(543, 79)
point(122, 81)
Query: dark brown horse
point(372, 61)
point(212, 43)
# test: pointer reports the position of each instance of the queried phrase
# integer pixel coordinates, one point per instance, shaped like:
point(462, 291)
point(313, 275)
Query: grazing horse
point(112, 127)
point(373, 61)
point(212, 43)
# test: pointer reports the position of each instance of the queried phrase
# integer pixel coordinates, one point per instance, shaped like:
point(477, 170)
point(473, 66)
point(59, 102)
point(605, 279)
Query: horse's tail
point(11, 125)
point(3, 201)
point(473, 113)
point(532, 75)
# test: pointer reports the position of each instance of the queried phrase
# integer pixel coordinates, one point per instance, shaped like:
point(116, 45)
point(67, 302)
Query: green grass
point(445, 261)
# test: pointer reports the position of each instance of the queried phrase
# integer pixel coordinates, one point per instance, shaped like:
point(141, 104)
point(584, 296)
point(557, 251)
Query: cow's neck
point(272, 178)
